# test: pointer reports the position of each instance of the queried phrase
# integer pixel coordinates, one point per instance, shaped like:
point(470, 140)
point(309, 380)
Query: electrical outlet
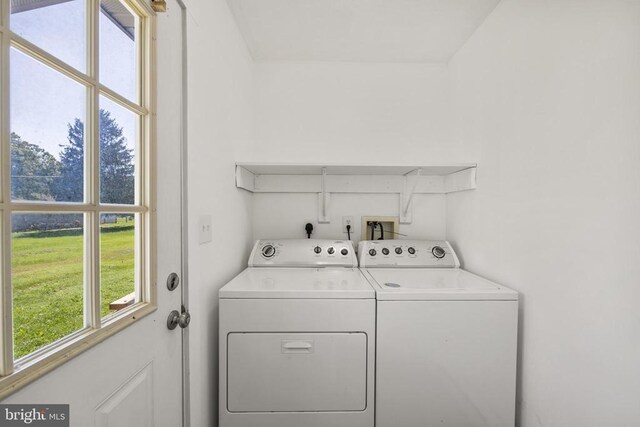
point(205, 233)
point(347, 220)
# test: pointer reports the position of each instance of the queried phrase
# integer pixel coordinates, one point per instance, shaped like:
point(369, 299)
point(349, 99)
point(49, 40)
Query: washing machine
point(297, 338)
point(446, 339)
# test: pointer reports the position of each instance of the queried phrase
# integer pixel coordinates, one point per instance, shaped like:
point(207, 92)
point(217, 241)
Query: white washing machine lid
point(431, 284)
point(299, 283)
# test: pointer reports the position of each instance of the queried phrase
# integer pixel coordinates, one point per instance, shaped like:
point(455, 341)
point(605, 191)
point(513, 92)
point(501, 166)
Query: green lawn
point(47, 276)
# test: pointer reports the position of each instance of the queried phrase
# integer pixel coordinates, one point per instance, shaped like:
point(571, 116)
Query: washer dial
point(438, 252)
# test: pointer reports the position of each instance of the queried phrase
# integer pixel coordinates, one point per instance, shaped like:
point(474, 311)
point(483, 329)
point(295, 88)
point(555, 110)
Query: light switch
point(204, 229)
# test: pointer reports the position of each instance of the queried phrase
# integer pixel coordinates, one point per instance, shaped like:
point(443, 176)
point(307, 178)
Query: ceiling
point(358, 30)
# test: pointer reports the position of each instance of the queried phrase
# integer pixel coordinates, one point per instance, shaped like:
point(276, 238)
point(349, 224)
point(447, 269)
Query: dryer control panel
point(303, 253)
point(407, 253)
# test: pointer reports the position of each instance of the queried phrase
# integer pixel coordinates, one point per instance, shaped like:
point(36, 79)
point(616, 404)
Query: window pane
point(118, 135)
point(117, 262)
point(56, 26)
point(118, 30)
point(47, 132)
point(47, 275)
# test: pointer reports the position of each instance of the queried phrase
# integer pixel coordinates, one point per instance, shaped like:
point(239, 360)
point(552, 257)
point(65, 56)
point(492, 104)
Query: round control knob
point(268, 251)
point(317, 249)
point(344, 252)
point(331, 251)
point(438, 252)
point(385, 251)
point(399, 251)
point(412, 251)
point(372, 252)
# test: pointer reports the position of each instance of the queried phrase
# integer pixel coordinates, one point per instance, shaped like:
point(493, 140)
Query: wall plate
point(205, 232)
point(390, 225)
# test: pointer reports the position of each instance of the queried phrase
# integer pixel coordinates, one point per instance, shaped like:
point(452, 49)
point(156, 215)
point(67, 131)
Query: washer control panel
point(303, 253)
point(407, 253)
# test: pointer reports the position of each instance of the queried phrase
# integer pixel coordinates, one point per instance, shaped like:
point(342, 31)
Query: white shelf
point(324, 179)
point(345, 178)
point(349, 169)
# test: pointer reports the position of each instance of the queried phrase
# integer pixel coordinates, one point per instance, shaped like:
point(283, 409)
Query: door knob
point(178, 319)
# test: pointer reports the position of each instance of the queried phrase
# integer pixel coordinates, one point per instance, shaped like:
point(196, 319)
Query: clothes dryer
point(297, 338)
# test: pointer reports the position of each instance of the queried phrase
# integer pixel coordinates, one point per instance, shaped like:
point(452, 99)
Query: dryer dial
point(268, 251)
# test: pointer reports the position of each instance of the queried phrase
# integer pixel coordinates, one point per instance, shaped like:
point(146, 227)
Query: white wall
point(375, 113)
point(351, 112)
point(546, 96)
point(285, 215)
point(220, 122)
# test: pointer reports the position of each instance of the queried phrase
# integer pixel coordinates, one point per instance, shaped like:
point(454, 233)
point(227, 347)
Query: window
point(75, 192)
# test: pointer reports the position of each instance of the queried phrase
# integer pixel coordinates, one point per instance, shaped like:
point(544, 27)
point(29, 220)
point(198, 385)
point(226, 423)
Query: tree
point(70, 186)
point(116, 163)
point(33, 171)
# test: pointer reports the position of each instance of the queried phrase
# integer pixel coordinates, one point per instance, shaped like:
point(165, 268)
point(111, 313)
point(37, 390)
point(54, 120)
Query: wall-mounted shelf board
point(350, 178)
point(324, 179)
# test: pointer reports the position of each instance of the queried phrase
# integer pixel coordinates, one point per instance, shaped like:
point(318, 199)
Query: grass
point(47, 276)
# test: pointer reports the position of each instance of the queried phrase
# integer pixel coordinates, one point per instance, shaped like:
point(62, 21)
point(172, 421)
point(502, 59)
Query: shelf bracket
point(407, 195)
point(324, 199)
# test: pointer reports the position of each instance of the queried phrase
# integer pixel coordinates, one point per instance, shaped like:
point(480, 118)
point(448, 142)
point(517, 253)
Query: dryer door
point(296, 372)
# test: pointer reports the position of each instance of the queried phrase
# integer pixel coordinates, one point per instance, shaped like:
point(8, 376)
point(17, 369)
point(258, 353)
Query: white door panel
point(134, 378)
point(167, 362)
point(132, 404)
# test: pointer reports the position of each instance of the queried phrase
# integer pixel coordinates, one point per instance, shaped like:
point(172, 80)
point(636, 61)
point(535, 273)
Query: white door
point(134, 378)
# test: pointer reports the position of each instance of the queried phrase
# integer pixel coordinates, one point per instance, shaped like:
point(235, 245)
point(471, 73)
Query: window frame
point(16, 374)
